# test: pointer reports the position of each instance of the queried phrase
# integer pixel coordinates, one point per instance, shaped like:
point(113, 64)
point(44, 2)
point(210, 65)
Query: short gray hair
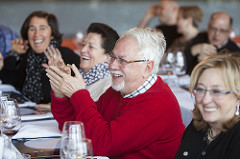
point(152, 44)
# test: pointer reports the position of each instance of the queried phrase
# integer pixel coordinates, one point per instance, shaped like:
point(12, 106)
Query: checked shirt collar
point(144, 87)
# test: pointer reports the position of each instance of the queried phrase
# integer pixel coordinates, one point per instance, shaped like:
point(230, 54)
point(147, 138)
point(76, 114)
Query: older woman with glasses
point(96, 46)
point(215, 129)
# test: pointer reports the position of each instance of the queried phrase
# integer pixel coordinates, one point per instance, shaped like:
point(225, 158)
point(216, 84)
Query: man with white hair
point(139, 116)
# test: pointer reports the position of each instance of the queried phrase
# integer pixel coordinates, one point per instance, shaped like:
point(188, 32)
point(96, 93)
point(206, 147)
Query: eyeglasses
point(121, 61)
point(215, 93)
point(221, 31)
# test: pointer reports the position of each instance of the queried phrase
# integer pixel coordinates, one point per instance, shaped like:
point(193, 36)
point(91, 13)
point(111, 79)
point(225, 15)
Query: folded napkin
point(7, 88)
point(1, 146)
point(184, 80)
point(27, 104)
point(35, 131)
point(37, 117)
point(6, 153)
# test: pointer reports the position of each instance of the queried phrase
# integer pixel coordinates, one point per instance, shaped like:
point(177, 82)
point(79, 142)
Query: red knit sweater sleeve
point(62, 110)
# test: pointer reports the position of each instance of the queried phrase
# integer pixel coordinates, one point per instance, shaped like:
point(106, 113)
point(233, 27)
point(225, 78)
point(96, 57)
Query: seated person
point(215, 127)
point(96, 45)
point(189, 18)
point(214, 40)
point(139, 116)
point(168, 22)
point(39, 31)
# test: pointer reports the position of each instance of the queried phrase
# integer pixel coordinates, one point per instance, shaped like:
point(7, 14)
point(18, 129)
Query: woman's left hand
point(64, 82)
point(1, 61)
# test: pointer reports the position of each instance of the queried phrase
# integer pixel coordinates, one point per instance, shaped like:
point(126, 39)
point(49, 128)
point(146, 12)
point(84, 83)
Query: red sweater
point(146, 126)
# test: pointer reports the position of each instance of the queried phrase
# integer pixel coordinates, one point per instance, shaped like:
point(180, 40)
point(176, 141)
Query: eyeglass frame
point(221, 31)
point(122, 61)
point(211, 92)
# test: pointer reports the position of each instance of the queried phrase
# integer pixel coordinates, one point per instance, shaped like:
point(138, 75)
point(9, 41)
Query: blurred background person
point(167, 12)
point(216, 39)
point(6, 36)
point(189, 18)
point(215, 127)
point(188, 21)
point(96, 46)
point(39, 31)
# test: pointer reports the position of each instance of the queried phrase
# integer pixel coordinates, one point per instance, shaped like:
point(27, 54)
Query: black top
point(192, 61)
point(195, 145)
point(14, 72)
point(170, 33)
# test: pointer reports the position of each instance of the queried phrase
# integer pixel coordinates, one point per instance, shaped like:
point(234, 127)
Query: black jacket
point(194, 145)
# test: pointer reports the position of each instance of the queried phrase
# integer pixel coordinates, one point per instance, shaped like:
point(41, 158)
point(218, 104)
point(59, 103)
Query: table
point(184, 98)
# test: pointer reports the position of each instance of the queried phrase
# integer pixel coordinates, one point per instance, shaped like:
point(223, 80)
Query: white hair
point(152, 44)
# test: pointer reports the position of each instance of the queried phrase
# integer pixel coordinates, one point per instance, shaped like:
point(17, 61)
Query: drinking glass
point(76, 148)
point(74, 144)
point(10, 117)
point(73, 127)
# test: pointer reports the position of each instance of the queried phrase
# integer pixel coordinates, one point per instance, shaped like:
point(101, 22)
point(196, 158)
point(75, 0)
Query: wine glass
point(167, 63)
point(179, 67)
point(10, 117)
point(2, 98)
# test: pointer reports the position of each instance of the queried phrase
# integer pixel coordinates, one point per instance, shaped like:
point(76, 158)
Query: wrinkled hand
point(19, 45)
point(1, 61)
point(152, 10)
point(149, 15)
point(43, 107)
point(64, 82)
point(203, 51)
point(55, 59)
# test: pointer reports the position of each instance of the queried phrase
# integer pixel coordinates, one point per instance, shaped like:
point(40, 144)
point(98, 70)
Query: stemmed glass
point(179, 64)
point(74, 144)
point(10, 117)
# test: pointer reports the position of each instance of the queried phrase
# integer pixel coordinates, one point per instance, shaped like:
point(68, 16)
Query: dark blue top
point(6, 35)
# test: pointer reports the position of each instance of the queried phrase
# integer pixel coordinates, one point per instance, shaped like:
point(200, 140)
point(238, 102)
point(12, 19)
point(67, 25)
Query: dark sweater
point(170, 33)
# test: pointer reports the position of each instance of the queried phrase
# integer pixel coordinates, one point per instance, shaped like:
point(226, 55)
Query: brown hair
point(229, 65)
point(52, 22)
point(193, 12)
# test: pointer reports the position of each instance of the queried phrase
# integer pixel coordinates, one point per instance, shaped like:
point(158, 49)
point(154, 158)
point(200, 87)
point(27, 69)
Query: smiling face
point(39, 34)
point(215, 111)
point(127, 78)
point(92, 52)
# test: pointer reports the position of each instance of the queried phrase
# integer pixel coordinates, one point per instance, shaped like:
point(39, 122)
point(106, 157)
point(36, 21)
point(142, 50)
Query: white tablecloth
point(186, 103)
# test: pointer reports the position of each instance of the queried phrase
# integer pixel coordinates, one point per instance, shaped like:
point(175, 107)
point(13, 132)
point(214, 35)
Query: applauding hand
point(64, 82)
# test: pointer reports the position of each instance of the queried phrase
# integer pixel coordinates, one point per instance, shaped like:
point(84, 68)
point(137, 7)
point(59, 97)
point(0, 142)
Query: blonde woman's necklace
point(210, 135)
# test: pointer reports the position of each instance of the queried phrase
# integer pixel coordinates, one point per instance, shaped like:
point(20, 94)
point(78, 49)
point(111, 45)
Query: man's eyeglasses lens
point(121, 61)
